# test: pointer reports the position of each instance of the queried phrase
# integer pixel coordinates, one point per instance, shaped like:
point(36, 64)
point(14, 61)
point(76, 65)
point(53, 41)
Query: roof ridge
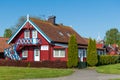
point(46, 22)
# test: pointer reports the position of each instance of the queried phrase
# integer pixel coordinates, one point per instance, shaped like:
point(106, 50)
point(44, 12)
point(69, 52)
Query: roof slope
point(57, 33)
point(3, 44)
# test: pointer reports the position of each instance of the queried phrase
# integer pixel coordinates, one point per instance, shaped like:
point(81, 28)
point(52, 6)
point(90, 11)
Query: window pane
point(37, 52)
point(62, 53)
point(34, 34)
point(27, 34)
point(56, 53)
point(24, 53)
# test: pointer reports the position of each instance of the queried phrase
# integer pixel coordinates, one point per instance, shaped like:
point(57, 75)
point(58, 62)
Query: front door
point(36, 55)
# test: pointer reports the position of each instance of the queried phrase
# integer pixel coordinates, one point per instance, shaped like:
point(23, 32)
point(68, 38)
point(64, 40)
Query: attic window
point(26, 34)
point(60, 33)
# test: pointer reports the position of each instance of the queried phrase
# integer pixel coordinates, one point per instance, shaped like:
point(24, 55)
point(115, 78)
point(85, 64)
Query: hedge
point(108, 59)
point(46, 64)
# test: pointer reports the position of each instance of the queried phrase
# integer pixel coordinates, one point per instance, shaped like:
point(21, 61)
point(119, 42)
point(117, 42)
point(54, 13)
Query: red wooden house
point(38, 40)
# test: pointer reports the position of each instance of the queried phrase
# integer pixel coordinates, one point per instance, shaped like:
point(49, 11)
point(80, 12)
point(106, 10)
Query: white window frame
point(59, 53)
point(24, 55)
point(34, 34)
point(27, 32)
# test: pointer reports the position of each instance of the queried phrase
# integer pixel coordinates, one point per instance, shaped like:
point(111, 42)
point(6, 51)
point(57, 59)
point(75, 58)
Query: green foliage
point(112, 36)
point(72, 52)
point(17, 73)
point(109, 69)
point(108, 59)
point(92, 59)
point(7, 33)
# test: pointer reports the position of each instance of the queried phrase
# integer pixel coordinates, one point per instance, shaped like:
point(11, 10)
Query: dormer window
point(68, 34)
point(60, 33)
point(26, 34)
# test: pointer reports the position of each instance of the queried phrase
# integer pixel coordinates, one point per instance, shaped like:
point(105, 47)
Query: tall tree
point(112, 36)
point(72, 52)
point(92, 59)
point(7, 33)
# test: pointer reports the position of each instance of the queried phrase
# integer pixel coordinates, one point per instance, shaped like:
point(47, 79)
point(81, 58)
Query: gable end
point(35, 26)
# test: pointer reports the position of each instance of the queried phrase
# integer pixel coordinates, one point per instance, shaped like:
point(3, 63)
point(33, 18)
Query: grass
point(16, 73)
point(109, 69)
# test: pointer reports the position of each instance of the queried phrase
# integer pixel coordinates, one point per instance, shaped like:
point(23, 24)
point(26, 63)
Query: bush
point(47, 64)
point(92, 58)
point(108, 59)
point(72, 52)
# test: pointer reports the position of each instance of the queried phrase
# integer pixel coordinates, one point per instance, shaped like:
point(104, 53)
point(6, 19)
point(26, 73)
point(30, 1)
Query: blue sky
point(88, 17)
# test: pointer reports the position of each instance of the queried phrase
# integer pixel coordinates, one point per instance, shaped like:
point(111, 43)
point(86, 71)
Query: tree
point(7, 33)
point(20, 22)
point(72, 52)
point(112, 36)
point(92, 59)
point(22, 19)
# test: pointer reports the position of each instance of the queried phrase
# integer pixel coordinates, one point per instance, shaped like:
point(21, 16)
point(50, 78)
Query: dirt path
point(83, 74)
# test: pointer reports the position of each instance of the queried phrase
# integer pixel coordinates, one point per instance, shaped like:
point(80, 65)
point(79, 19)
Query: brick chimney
point(51, 19)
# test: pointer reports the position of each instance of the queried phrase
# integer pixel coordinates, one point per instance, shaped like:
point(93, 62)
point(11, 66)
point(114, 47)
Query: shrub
point(47, 64)
point(72, 52)
point(108, 59)
point(92, 58)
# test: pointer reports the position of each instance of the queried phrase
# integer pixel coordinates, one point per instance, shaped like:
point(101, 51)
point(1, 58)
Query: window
point(59, 53)
point(60, 33)
point(68, 34)
point(34, 34)
point(44, 47)
point(82, 54)
point(27, 34)
point(100, 52)
point(24, 53)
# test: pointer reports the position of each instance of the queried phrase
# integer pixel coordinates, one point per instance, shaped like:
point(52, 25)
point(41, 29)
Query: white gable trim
point(35, 26)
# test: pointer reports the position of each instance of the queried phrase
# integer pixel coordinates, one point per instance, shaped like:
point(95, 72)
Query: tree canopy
point(7, 33)
point(112, 36)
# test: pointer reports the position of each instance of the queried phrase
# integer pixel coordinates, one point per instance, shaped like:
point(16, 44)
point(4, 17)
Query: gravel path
point(83, 74)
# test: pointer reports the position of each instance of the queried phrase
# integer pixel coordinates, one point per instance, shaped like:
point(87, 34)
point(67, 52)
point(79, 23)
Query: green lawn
point(109, 69)
point(16, 73)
